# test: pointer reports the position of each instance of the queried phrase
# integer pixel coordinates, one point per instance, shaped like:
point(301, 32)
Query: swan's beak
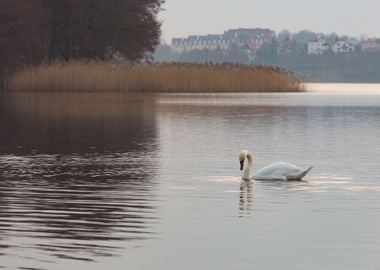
point(241, 165)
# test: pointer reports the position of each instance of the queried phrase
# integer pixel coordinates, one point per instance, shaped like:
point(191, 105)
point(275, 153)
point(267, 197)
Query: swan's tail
point(300, 175)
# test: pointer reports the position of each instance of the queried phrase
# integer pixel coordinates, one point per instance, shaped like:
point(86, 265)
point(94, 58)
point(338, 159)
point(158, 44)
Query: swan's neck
point(248, 171)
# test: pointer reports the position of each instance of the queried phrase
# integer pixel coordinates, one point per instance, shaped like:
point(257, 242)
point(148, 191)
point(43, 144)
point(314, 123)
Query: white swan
point(274, 171)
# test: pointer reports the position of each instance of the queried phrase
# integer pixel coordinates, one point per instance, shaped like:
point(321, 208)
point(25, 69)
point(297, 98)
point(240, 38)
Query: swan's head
point(242, 156)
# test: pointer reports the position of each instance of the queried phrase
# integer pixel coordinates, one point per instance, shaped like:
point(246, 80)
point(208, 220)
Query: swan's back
point(281, 171)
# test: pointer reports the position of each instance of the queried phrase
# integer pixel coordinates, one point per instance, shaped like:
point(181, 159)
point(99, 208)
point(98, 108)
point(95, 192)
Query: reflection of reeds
point(82, 105)
point(169, 77)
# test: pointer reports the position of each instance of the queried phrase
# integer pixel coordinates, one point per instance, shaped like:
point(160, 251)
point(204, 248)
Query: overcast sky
point(185, 17)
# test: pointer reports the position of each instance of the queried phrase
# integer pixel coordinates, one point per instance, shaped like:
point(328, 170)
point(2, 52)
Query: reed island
point(96, 76)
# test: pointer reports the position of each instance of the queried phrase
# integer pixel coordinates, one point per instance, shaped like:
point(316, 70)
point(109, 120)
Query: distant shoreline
point(156, 78)
point(343, 87)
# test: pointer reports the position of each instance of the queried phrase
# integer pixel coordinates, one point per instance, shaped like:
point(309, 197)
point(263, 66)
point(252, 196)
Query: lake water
point(128, 181)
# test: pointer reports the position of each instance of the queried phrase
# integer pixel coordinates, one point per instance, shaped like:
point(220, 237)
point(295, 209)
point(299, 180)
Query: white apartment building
point(240, 37)
point(209, 42)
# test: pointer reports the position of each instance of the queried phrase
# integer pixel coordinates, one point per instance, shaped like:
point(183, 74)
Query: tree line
point(38, 31)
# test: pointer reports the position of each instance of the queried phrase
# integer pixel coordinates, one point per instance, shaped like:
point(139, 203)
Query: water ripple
point(75, 207)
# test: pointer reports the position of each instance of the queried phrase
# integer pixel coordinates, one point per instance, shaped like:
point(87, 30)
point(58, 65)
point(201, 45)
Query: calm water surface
point(117, 181)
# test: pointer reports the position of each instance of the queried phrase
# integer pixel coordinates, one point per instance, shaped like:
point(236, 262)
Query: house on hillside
point(247, 36)
point(317, 47)
point(343, 46)
point(371, 46)
point(250, 51)
point(354, 41)
point(285, 46)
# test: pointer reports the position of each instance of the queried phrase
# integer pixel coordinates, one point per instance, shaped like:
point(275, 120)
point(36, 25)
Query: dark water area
point(72, 185)
point(141, 181)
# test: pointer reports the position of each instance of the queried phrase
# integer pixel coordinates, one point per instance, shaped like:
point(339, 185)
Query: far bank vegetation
point(164, 77)
point(66, 45)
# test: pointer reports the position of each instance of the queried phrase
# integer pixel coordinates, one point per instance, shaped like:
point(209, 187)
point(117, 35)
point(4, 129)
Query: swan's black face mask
point(241, 165)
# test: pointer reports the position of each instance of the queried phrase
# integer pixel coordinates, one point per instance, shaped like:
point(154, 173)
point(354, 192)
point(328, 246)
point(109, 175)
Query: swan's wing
point(298, 175)
point(278, 170)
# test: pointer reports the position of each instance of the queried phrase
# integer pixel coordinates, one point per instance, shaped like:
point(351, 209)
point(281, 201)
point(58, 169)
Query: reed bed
point(163, 77)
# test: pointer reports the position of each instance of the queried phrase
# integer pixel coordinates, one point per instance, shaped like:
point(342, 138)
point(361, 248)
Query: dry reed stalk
point(169, 77)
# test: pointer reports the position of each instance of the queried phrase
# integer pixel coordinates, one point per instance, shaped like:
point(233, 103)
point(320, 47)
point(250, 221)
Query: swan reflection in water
point(245, 198)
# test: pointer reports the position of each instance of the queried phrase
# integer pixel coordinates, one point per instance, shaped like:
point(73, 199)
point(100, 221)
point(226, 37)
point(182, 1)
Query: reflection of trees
point(77, 196)
point(59, 123)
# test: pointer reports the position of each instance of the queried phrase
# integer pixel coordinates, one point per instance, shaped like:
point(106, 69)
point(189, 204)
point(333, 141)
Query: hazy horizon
point(182, 18)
